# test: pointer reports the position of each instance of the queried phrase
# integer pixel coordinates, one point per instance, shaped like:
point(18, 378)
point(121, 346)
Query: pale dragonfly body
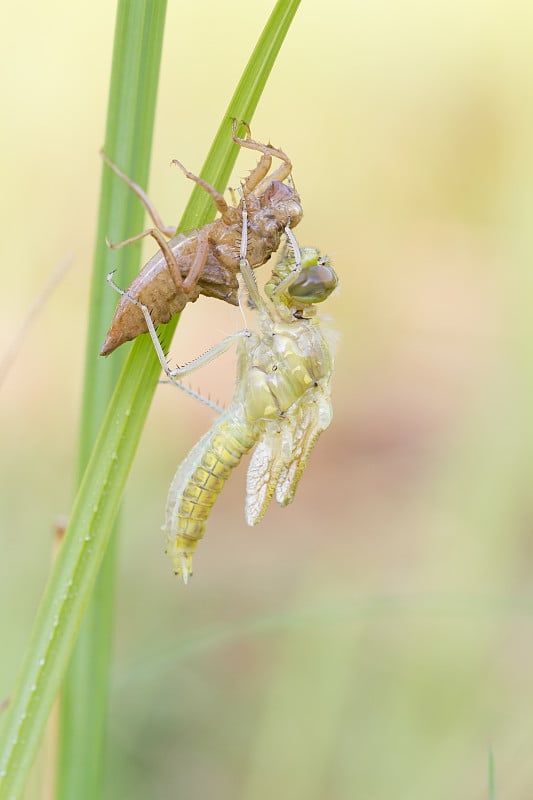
point(281, 402)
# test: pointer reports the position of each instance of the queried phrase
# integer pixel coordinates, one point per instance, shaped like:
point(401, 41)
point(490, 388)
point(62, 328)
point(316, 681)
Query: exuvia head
point(284, 201)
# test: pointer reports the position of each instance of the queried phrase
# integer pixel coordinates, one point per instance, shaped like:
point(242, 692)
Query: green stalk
point(492, 778)
point(73, 577)
point(129, 132)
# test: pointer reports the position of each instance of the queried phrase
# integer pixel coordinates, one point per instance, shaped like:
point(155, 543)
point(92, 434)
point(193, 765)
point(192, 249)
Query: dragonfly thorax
point(282, 367)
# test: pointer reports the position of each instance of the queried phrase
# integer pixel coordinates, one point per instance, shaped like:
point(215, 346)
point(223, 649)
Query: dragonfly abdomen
point(197, 484)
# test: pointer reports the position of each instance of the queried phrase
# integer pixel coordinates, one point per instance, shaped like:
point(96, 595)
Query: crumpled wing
point(309, 419)
point(264, 470)
point(282, 453)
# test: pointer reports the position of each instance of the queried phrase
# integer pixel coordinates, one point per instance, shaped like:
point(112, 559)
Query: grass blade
point(492, 776)
point(129, 132)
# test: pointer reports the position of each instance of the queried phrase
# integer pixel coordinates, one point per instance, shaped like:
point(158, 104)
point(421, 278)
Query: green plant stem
point(129, 132)
point(73, 577)
point(492, 778)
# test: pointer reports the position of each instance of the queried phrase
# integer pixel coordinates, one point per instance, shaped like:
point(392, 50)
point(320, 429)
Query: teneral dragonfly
point(281, 402)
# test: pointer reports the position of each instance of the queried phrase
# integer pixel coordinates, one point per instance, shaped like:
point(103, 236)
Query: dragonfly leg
point(205, 358)
point(247, 273)
point(170, 258)
point(283, 286)
point(199, 261)
point(256, 178)
point(197, 396)
point(279, 174)
point(257, 174)
point(168, 230)
point(218, 198)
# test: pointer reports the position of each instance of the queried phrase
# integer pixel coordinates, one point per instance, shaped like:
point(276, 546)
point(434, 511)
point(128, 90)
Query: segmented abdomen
point(197, 484)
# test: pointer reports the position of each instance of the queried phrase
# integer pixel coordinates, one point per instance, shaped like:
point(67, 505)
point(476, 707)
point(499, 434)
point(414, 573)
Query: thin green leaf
point(492, 775)
point(130, 120)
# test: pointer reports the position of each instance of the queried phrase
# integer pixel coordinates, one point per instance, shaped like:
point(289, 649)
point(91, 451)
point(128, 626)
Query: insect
point(281, 402)
point(206, 260)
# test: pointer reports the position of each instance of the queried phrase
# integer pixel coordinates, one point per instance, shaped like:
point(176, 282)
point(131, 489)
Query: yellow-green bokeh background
point(374, 640)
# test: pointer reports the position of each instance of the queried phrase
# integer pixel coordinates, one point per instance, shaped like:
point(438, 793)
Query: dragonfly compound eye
point(317, 279)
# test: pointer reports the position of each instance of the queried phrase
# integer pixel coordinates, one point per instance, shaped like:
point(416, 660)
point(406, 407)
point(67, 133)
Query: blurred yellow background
point(374, 639)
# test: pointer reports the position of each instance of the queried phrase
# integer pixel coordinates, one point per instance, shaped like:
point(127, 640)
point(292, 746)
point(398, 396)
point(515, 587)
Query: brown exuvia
point(206, 260)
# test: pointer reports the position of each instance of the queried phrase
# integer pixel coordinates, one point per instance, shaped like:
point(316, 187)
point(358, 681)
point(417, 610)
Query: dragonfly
point(281, 401)
point(206, 260)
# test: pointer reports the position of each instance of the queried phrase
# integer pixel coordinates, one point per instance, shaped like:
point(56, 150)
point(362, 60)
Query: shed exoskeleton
point(206, 260)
